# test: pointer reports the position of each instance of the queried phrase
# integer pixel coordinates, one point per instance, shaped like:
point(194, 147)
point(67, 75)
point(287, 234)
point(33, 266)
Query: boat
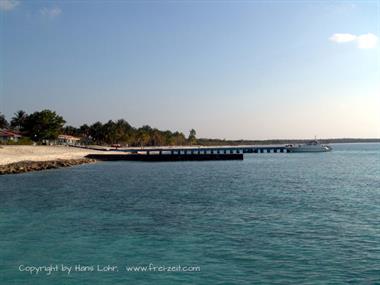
point(312, 146)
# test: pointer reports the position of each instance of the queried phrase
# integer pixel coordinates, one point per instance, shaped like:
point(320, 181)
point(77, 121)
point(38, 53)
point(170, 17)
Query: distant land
point(212, 142)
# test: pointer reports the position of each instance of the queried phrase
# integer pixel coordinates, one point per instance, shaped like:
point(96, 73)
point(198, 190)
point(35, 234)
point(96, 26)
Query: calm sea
point(270, 219)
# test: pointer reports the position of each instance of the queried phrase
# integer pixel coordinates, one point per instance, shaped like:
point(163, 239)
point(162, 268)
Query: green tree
point(110, 132)
point(44, 125)
point(84, 130)
point(157, 138)
point(70, 130)
point(96, 132)
point(192, 137)
point(124, 132)
point(169, 138)
point(19, 119)
point(3, 122)
point(142, 138)
point(179, 138)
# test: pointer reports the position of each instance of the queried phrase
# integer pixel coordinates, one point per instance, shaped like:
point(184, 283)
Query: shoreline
point(17, 153)
point(20, 159)
point(29, 166)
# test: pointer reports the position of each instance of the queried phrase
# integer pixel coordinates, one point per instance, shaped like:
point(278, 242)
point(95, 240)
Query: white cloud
point(342, 38)
point(7, 5)
point(50, 12)
point(365, 41)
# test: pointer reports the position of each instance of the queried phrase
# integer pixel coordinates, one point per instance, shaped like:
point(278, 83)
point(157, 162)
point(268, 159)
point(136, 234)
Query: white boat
point(312, 146)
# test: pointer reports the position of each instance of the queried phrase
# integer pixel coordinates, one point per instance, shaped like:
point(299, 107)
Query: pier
point(205, 150)
point(165, 157)
point(185, 153)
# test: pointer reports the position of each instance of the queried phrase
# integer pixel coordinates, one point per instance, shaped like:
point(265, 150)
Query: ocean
point(273, 218)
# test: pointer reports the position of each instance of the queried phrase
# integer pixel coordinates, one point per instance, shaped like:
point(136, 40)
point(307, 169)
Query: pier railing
point(205, 150)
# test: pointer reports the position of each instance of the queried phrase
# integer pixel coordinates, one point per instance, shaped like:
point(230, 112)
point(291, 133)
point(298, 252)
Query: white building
point(68, 140)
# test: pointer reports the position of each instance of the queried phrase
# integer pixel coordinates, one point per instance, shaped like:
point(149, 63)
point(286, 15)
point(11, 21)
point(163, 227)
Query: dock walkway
point(185, 153)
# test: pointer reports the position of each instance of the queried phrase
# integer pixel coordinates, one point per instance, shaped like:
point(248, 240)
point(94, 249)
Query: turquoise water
point(270, 219)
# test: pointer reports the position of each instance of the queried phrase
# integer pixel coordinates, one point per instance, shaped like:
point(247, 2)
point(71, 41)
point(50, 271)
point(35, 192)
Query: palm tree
point(3, 122)
point(192, 137)
point(18, 121)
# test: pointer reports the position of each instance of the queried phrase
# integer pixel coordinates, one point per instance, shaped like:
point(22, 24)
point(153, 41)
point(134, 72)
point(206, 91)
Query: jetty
point(185, 153)
point(165, 157)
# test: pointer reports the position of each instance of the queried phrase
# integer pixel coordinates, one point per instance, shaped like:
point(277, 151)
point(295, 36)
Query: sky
point(228, 69)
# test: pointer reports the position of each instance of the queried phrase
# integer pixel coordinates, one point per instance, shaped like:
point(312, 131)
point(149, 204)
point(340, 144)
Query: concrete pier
point(205, 150)
point(165, 157)
point(187, 153)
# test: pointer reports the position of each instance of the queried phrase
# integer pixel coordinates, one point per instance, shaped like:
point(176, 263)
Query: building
point(68, 140)
point(8, 136)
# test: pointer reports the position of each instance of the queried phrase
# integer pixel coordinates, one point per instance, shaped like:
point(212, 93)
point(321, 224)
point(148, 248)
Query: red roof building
point(8, 135)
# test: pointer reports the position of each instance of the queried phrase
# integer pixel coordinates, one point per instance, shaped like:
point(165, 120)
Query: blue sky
point(248, 69)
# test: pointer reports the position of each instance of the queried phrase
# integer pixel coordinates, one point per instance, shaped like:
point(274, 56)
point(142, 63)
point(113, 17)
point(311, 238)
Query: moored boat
point(312, 146)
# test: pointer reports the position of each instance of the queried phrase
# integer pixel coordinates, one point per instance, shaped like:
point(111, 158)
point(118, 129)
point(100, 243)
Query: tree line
point(48, 125)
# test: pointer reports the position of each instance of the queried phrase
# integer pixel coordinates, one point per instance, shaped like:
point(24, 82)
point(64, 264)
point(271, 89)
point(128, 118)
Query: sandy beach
point(12, 154)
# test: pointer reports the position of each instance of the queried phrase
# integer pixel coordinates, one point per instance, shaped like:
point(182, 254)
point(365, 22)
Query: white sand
point(11, 154)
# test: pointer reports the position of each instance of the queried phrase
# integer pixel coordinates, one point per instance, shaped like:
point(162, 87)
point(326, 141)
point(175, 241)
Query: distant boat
point(312, 146)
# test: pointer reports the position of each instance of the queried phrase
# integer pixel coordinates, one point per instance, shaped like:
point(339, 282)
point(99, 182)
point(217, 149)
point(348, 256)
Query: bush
point(21, 141)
